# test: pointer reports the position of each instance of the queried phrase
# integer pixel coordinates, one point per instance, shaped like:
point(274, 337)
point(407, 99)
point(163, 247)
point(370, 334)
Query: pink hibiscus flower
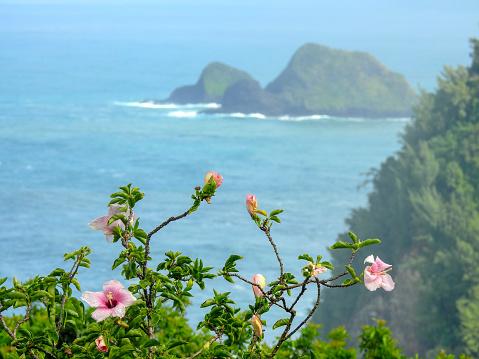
point(101, 222)
point(375, 276)
point(112, 302)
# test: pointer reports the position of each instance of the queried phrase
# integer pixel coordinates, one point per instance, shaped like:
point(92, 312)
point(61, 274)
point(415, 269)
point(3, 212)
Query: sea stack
point(318, 80)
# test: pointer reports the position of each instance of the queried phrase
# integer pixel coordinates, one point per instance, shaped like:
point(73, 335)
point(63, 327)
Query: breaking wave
point(196, 110)
point(150, 104)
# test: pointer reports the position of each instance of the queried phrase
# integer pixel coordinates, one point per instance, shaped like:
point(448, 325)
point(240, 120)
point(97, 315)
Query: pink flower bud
point(258, 279)
point(216, 177)
point(100, 344)
point(257, 326)
point(251, 203)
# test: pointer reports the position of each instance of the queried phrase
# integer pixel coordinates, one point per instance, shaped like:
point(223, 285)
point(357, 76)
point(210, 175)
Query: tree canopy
point(424, 208)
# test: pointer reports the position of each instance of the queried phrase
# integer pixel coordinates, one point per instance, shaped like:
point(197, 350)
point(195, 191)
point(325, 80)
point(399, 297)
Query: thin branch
point(27, 316)
point(71, 275)
point(310, 313)
point(266, 230)
point(2, 320)
point(42, 350)
point(339, 285)
point(201, 350)
point(171, 219)
point(283, 335)
point(303, 290)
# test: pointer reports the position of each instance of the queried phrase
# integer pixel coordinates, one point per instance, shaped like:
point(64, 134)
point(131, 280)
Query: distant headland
point(318, 80)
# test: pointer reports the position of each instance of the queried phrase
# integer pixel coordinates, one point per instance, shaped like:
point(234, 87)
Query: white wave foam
point(183, 114)
point(245, 115)
point(303, 118)
point(149, 104)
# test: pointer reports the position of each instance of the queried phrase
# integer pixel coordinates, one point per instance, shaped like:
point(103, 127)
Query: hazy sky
point(415, 38)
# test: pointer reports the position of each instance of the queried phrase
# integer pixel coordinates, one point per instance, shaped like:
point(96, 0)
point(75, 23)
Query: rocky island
point(318, 80)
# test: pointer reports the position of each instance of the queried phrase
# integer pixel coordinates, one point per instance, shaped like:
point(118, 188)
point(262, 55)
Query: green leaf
point(151, 343)
point(228, 278)
point(119, 194)
point(3, 280)
point(207, 303)
point(24, 332)
point(115, 217)
point(114, 200)
point(351, 271)
point(276, 219)
point(57, 272)
point(353, 237)
point(76, 284)
point(175, 343)
point(276, 212)
point(368, 242)
point(117, 262)
point(260, 211)
point(306, 257)
point(133, 334)
point(233, 258)
point(347, 281)
point(67, 256)
point(141, 235)
point(278, 288)
point(125, 350)
point(72, 313)
point(327, 265)
point(280, 323)
point(15, 295)
point(155, 318)
point(340, 245)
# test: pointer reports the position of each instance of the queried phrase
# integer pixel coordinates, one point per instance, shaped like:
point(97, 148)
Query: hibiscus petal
point(125, 297)
point(99, 223)
point(113, 209)
point(381, 265)
point(94, 299)
point(369, 259)
point(112, 286)
point(387, 283)
point(118, 311)
point(372, 281)
point(101, 313)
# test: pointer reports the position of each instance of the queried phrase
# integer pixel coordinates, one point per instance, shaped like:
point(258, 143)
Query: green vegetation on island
point(424, 208)
point(214, 80)
point(317, 80)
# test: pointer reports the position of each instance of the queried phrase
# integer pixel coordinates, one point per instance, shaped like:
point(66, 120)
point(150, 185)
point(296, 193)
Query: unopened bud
point(257, 326)
point(122, 324)
point(251, 203)
point(217, 178)
point(16, 283)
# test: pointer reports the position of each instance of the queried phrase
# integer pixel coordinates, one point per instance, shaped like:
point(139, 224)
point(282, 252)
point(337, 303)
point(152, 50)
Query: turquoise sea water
point(73, 129)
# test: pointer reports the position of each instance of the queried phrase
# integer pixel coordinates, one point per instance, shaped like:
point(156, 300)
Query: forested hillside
point(424, 208)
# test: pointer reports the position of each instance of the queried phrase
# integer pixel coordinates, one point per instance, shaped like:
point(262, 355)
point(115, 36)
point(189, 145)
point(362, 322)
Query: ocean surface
point(74, 128)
